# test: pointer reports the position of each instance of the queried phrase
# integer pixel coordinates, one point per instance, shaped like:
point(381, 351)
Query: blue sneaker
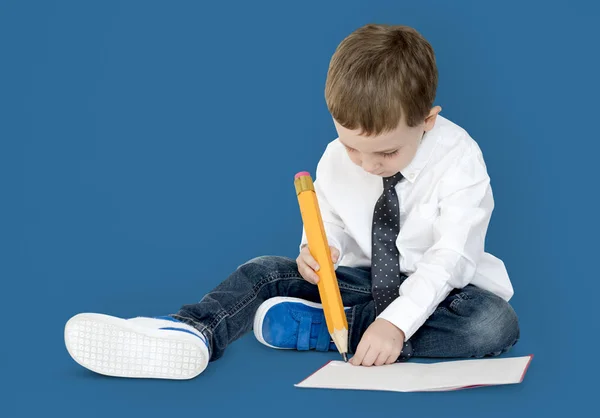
point(142, 347)
point(292, 324)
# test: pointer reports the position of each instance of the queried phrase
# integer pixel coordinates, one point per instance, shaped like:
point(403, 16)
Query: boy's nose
point(372, 167)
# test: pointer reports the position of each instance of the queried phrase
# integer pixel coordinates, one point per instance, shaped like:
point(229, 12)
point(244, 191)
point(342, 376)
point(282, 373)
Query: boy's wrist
point(396, 328)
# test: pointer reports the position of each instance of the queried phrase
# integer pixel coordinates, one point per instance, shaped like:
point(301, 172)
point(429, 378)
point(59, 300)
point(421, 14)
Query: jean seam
point(198, 325)
point(354, 288)
point(351, 327)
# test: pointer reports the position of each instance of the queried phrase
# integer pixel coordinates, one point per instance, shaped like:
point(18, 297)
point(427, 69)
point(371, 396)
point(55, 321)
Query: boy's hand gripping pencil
point(337, 325)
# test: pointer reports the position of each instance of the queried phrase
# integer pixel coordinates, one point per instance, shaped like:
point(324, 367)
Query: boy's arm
point(466, 205)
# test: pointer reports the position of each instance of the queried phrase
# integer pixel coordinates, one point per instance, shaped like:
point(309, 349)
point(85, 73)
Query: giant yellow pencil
point(337, 325)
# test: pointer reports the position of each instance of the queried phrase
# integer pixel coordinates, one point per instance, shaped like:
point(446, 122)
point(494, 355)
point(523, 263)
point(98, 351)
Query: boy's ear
point(430, 119)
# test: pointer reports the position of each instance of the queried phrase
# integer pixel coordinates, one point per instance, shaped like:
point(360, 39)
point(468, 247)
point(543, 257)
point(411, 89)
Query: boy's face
point(389, 153)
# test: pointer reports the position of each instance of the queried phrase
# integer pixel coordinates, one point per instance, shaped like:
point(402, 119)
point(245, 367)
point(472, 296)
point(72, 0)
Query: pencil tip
point(345, 357)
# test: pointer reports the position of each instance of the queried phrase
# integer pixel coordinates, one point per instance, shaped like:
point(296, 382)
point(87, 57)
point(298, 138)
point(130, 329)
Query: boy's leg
point(227, 312)
point(179, 346)
point(470, 322)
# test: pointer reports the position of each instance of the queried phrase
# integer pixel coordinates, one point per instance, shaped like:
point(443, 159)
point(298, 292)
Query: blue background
point(129, 131)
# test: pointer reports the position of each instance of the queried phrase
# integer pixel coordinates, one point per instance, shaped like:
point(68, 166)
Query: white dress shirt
point(445, 207)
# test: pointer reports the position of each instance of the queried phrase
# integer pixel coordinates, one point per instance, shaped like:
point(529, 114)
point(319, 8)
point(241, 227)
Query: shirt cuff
point(405, 315)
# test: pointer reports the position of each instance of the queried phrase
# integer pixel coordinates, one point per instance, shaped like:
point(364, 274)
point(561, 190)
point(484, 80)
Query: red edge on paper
point(479, 386)
point(526, 367)
point(306, 378)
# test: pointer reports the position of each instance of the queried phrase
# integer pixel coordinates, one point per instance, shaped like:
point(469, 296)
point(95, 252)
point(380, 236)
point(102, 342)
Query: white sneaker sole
point(117, 347)
point(268, 304)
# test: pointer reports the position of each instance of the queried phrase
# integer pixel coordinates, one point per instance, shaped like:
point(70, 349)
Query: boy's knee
point(263, 265)
point(261, 260)
point(269, 261)
point(494, 326)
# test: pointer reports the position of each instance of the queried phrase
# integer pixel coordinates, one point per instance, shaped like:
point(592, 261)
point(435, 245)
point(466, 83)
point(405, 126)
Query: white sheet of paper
point(420, 377)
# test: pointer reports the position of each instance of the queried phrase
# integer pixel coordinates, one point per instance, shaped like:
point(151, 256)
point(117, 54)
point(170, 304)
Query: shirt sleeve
point(333, 224)
point(465, 209)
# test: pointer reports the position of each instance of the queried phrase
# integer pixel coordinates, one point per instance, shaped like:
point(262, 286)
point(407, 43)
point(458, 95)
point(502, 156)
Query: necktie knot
point(390, 182)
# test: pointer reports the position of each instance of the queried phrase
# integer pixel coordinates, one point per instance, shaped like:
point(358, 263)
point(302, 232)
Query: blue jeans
point(470, 322)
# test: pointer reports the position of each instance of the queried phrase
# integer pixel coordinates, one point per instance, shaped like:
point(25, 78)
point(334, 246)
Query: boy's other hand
point(381, 344)
point(308, 266)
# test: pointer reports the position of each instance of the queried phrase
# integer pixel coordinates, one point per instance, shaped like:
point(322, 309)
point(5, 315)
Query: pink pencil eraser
point(302, 173)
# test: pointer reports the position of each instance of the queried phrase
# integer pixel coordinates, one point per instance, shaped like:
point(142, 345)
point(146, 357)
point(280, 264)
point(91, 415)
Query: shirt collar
point(422, 156)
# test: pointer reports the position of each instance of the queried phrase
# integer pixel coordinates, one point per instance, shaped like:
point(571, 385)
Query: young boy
point(406, 201)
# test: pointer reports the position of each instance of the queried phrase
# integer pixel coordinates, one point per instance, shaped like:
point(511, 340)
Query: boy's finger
point(381, 358)
point(393, 357)
point(334, 254)
point(314, 277)
point(307, 273)
point(305, 250)
point(311, 262)
point(370, 356)
point(361, 350)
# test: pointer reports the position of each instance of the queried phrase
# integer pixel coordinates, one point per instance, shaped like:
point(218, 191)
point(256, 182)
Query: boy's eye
point(390, 154)
point(385, 154)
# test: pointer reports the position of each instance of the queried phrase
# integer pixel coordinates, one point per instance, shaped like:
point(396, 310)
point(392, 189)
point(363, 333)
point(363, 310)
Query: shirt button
point(411, 176)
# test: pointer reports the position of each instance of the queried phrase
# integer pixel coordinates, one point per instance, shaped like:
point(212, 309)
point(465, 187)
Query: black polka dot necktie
point(385, 258)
